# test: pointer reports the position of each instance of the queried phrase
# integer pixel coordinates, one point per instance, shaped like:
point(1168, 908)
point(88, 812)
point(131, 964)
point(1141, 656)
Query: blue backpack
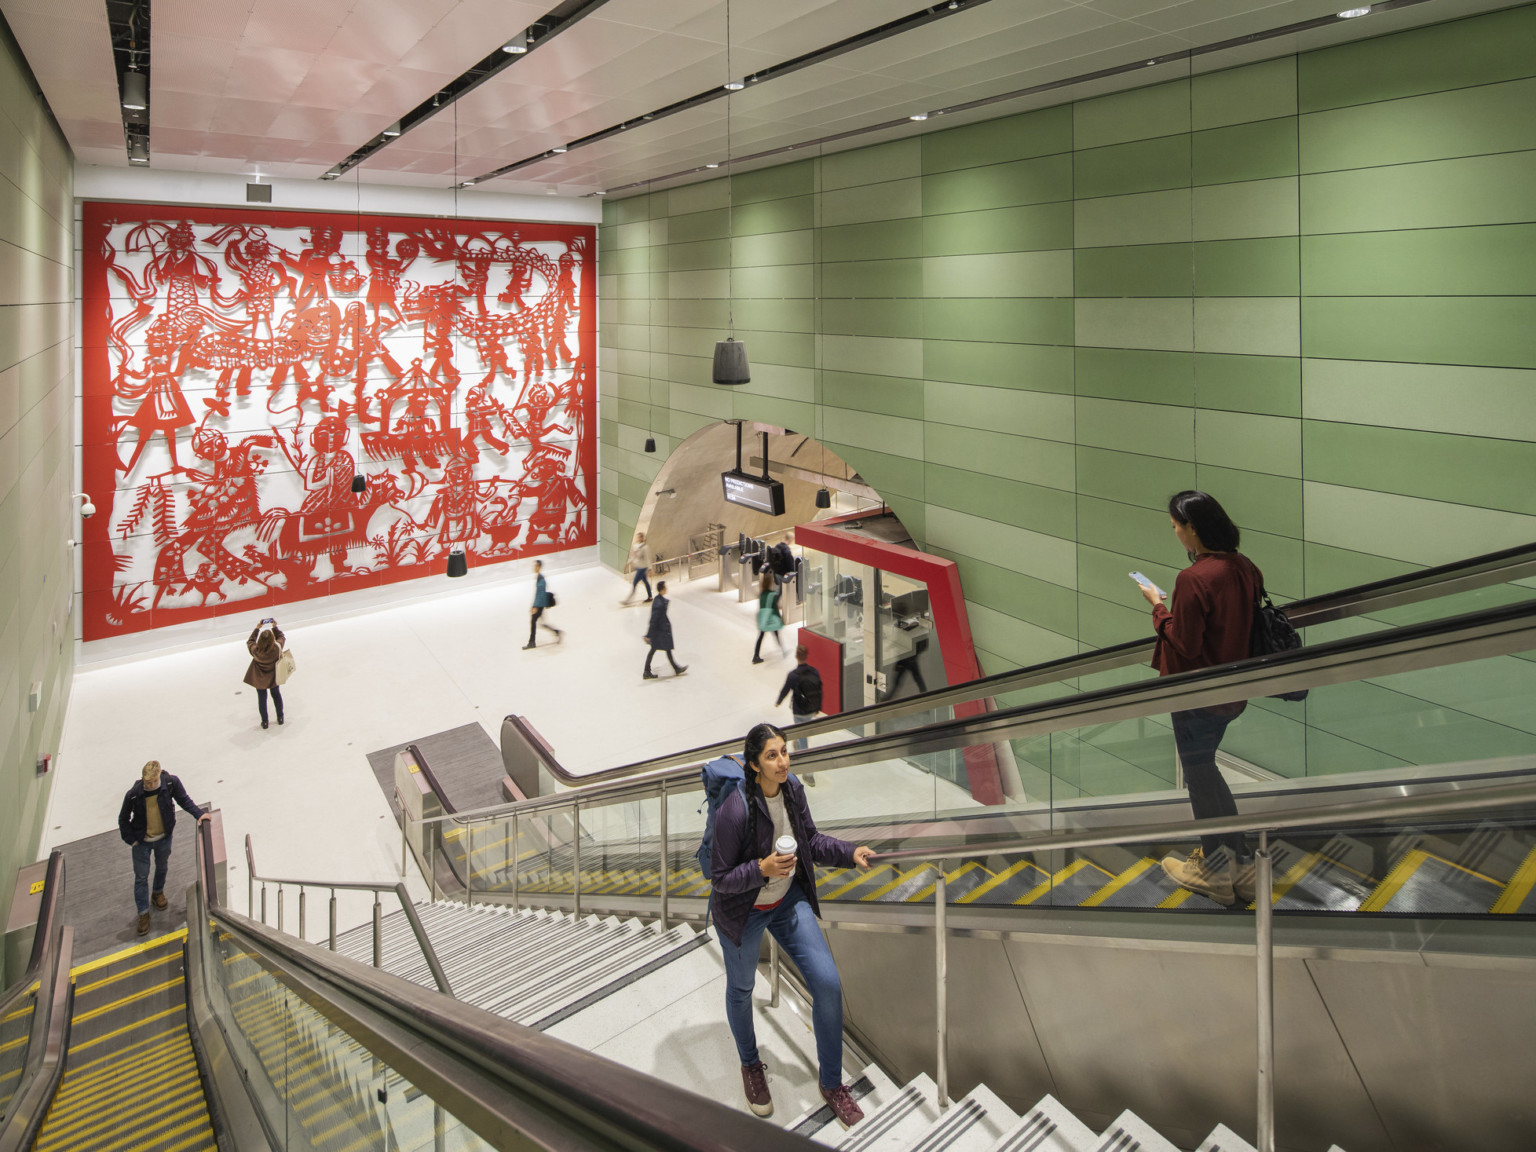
point(720, 777)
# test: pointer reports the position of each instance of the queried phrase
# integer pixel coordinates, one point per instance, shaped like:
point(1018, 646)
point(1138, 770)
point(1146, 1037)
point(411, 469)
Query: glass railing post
point(469, 865)
point(279, 907)
point(1263, 880)
point(941, 986)
point(250, 893)
point(378, 933)
point(263, 902)
point(333, 919)
point(405, 820)
point(663, 881)
point(515, 862)
point(301, 913)
point(576, 852)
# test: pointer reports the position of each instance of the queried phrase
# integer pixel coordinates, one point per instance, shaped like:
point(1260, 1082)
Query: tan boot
point(158, 900)
point(143, 923)
point(1200, 875)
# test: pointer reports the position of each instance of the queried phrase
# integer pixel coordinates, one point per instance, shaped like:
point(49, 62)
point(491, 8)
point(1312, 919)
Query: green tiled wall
point(1308, 285)
point(36, 456)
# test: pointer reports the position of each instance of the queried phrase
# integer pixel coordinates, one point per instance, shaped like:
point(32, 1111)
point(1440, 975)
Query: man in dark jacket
point(658, 634)
point(803, 687)
point(146, 827)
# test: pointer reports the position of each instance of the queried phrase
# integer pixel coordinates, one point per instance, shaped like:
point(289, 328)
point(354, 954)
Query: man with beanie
point(146, 821)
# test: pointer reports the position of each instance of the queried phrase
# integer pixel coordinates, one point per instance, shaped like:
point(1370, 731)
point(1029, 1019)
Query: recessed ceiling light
point(393, 130)
point(711, 165)
point(734, 85)
point(558, 148)
point(517, 45)
point(918, 116)
point(1351, 13)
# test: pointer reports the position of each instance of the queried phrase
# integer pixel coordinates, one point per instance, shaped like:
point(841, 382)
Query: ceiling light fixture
point(918, 116)
point(392, 131)
point(558, 149)
point(711, 165)
point(135, 91)
point(1351, 13)
point(734, 85)
point(517, 45)
point(138, 151)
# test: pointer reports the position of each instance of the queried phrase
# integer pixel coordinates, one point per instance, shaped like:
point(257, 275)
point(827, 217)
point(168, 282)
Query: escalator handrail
point(1474, 635)
point(525, 1076)
point(1493, 798)
point(1475, 572)
point(52, 954)
point(49, 921)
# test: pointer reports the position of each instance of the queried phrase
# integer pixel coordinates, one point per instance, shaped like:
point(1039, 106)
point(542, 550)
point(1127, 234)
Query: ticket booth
point(884, 620)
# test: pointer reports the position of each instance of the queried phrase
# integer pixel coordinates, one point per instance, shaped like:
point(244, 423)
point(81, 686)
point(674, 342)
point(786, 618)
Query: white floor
point(304, 791)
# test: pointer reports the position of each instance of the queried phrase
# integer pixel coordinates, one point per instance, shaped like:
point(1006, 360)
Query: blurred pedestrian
point(542, 598)
point(658, 634)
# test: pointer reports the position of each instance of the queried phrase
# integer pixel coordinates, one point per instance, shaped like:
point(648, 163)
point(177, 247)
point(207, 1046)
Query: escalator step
point(1424, 883)
point(1146, 885)
point(1519, 894)
point(1330, 879)
point(1069, 887)
point(958, 884)
point(1018, 878)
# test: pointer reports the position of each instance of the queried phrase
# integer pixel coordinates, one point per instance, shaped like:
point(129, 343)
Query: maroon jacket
point(1212, 617)
point(737, 878)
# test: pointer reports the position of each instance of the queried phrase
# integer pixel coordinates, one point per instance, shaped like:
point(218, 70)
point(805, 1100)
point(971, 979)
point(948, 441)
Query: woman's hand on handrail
point(863, 856)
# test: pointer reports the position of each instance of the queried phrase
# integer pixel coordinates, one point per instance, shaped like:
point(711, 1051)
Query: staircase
point(654, 1000)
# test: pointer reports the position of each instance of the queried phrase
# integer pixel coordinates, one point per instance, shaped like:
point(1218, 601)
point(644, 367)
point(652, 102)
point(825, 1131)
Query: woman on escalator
point(1211, 622)
point(765, 848)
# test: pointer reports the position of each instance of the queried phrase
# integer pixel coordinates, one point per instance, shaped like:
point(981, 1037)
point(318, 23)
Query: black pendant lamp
point(458, 565)
point(823, 498)
point(731, 365)
point(359, 483)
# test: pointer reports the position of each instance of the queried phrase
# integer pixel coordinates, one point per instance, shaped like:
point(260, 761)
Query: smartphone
point(1145, 583)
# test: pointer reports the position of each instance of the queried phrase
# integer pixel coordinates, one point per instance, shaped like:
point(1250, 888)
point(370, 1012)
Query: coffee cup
point(785, 846)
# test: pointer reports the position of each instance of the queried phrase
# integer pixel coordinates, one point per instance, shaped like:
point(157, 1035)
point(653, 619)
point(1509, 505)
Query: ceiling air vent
point(258, 193)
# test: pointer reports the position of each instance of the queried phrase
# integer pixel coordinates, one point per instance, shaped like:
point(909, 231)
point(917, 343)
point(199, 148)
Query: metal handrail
point(406, 906)
point(511, 1084)
point(1476, 635)
point(1482, 571)
point(48, 966)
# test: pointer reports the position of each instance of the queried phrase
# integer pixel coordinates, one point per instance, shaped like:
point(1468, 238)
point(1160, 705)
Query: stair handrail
point(1475, 635)
point(1475, 572)
point(48, 967)
point(507, 1082)
point(376, 887)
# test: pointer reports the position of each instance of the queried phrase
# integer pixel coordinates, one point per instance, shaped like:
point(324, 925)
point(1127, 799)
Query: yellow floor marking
point(122, 1002)
point(197, 1142)
point(1060, 878)
point(896, 882)
point(102, 961)
point(107, 1080)
point(1135, 872)
point(27, 1011)
point(1404, 871)
point(859, 878)
point(127, 1028)
point(198, 1113)
point(1519, 886)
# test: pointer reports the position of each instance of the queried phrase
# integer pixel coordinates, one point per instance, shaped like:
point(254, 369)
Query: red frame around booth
point(950, 623)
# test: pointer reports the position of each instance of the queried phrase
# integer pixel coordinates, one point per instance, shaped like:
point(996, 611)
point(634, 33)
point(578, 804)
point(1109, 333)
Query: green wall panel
point(1306, 284)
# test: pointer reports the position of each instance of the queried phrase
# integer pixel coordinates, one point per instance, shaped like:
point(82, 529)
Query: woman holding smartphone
point(266, 648)
point(765, 848)
point(1211, 622)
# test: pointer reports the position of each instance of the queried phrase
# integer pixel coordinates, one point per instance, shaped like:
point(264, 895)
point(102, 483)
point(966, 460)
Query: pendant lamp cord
point(730, 186)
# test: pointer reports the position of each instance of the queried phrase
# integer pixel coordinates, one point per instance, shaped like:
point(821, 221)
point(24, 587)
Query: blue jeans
point(161, 850)
point(641, 577)
point(793, 925)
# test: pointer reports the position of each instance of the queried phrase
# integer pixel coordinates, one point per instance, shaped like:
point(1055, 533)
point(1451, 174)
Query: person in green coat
point(769, 618)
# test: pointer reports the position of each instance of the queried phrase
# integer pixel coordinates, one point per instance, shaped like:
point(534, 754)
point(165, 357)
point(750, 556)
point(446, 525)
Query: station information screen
point(753, 492)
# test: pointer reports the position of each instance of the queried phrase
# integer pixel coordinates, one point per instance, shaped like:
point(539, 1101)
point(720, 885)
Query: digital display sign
point(755, 492)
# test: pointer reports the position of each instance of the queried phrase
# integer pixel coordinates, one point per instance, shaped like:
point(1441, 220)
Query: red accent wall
point(240, 366)
point(826, 656)
point(951, 624)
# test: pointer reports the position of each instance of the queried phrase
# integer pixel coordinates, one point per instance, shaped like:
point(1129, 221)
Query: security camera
point(87, 509)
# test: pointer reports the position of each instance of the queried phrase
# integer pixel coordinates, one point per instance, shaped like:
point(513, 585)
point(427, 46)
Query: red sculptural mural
point(285, 405)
